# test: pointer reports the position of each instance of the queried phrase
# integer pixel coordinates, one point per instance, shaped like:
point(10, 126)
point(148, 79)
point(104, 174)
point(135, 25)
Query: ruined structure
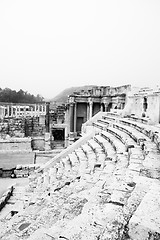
point(144, 102)
point(83, 105)
point(104, 186)
point(59, 127)
point(21, 110)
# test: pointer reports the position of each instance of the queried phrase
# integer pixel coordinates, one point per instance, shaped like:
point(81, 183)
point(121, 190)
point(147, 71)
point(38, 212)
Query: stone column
point(38, 110)
point(35, 110)
point(105, 107)
point(90, 107)
point(87, 111)
point(3, 114)
point(75, 117)
point(11, 111)
point(71, 117)
point(24, 111)
point(106, 101)
point(8, 111)
point(19, 108)
point(47, 117)
point(90, 110)
point(101, 107)
point(45, 109)
point(15, 111)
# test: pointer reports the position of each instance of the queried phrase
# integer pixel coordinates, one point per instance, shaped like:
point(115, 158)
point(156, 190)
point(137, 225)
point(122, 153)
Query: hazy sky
point(47, 46)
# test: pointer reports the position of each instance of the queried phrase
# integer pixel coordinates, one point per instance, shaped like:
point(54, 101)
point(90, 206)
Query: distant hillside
point(12, 96)
point(62, 97)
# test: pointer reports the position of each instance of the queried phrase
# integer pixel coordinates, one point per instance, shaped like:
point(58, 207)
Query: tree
point(8, 95)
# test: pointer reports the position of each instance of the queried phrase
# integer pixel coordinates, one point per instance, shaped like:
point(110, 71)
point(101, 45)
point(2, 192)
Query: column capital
point(90, 100)
point(71, 100)
point(106, 100)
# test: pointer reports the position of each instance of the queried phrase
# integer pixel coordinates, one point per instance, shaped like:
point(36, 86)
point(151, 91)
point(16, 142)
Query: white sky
point(49, 45)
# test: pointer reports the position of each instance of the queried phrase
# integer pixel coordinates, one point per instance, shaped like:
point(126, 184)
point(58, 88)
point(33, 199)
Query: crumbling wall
point(135, 105)
point(22, 127)
point(34, 127)
point(14, 127)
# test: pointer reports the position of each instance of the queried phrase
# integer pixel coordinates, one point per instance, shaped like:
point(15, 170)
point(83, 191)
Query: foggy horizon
point(48, 46)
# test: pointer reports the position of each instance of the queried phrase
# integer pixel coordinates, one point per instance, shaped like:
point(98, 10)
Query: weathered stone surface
point(145, 223)
point(89, 196)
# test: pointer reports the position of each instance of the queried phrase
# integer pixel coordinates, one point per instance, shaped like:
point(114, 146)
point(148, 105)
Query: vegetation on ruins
point(9, 95)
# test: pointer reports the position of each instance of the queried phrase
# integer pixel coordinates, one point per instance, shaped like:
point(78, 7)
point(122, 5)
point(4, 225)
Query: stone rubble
point(98, 191)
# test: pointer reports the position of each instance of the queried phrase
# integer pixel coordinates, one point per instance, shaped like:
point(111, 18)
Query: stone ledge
point(144, 224)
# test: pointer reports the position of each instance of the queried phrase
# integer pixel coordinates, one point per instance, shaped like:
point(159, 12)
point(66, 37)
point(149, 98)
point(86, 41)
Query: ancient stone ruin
point(105, 186)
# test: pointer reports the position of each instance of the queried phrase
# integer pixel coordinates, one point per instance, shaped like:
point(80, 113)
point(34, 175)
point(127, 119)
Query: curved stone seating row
point(137, 131)
point(115, 200)
point(102, 212)
point(135, 134)
point(76, 164)
point(85, 157)
point(142, 132)
point(99, 125)
point(84, 202)
point(103, 121)
point(107, 147)
point(90, 223)
point(125, 135)
point(95, 156)
point(149, 130)
point(91, 156)
point(138, 119)
point(115, 142)
point(95, 146)
point(121, 140)
point(75, 161)
point(110, 118)
point(79, 162)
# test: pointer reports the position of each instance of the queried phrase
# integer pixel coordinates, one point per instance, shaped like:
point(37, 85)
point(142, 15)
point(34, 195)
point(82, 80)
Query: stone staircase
point(103, 189)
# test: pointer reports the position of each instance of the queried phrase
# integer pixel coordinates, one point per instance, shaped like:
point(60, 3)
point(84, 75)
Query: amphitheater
point(102, 187)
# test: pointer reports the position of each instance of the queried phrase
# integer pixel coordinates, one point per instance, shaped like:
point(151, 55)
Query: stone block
point(144, 224)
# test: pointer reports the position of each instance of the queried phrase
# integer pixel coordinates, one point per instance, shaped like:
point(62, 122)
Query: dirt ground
point(12, 159)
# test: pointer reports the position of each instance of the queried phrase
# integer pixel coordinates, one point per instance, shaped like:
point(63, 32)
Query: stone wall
point(15, 144)
point(144, 104)
point(13, 127)
point(22, 127)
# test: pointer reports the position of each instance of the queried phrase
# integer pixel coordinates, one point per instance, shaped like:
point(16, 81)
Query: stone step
point(129, 130)
point(80, 154)
point(108, 148)
point(87, 149)
point(144, 224)
point(73, 158)
point(116, 143)
point(95, 146)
